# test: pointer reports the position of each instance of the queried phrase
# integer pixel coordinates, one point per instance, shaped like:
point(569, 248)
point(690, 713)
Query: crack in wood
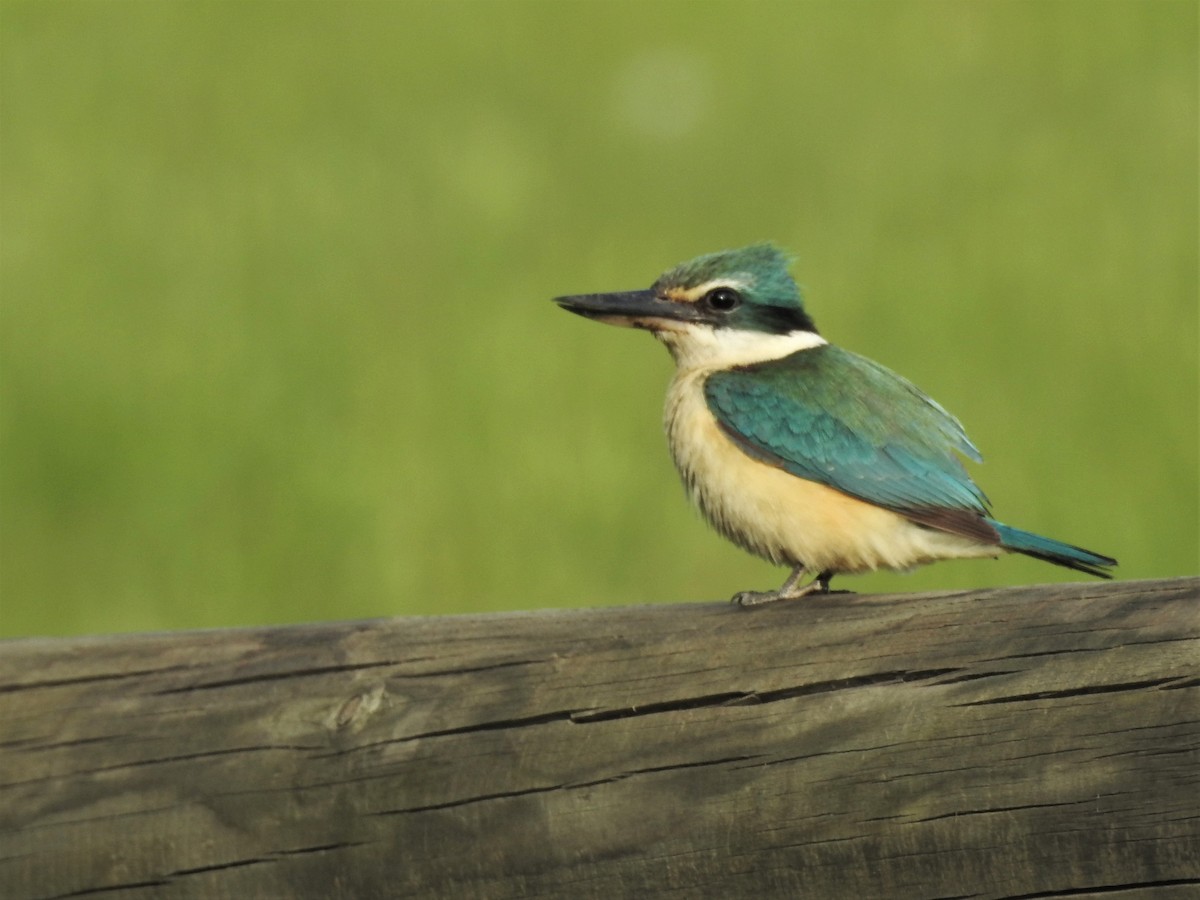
point(464, 801)
point(999, 809)
point(88, 679)
point(1183, 683)
point(1062, 651)
point(1153, 727)
point(976, 676)
point(495, 725)
point(132, 885)
point(60, 745)
point(1075, 692)
point(1103, 889)
point(274, 676)
point(220, 867)
point(673, 767)
point(724, 698)
point(841, 751)
point(573, 786)
point(274, 857)
point(744, 698)
point(183, 757)
point(322, 848)
point(1148, 752)
point(18, 744)
point(468, 670)
point(107, 817)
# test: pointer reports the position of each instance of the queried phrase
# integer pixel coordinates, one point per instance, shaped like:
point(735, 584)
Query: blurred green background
point(276, 340)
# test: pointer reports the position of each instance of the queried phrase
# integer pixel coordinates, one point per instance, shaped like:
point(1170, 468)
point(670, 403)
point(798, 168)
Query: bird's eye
point(723, 299)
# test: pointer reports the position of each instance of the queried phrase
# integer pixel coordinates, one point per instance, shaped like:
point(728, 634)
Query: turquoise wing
point(840, 419)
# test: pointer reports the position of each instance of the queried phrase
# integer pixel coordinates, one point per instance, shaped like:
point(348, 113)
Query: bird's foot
point(789, 591)
point(755, 598)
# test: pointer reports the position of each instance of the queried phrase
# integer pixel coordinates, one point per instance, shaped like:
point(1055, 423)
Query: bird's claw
point(819, 585)
point(755, 598)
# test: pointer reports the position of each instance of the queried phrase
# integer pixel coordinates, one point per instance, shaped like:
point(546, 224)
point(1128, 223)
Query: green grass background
point(276, 341)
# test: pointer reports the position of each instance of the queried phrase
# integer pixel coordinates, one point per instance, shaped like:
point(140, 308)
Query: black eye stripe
point(781, 319)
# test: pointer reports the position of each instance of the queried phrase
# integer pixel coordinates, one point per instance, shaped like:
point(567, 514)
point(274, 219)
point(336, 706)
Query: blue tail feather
point(1053, 551)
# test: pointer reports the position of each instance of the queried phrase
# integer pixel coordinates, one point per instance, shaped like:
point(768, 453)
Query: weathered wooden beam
point(1029, 742)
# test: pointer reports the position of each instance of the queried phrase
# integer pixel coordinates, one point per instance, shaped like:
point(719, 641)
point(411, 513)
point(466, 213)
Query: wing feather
point(841, 420)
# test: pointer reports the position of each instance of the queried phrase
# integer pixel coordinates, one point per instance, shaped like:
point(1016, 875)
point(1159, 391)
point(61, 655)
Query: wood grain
point(1017, 743)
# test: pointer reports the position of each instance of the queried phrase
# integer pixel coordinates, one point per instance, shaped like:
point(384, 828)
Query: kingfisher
point(800, 452)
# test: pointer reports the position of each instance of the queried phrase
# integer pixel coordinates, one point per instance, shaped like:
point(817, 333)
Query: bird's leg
point(789, 586)
point(788, 591)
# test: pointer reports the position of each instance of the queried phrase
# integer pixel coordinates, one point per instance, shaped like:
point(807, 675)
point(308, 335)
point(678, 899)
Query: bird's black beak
point(639, 309)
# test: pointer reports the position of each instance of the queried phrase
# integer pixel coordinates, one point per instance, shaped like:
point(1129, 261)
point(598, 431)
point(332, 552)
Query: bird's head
point(734, 307)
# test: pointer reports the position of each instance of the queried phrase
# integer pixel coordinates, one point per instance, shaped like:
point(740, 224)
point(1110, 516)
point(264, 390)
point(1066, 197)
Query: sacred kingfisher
point(800, 452)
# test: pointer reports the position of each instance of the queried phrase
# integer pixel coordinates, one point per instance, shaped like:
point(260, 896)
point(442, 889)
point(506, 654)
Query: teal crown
point(759, 275)
point(762, 269)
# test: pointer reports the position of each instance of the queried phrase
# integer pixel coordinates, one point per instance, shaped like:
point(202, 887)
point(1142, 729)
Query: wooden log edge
point(1028, 742)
